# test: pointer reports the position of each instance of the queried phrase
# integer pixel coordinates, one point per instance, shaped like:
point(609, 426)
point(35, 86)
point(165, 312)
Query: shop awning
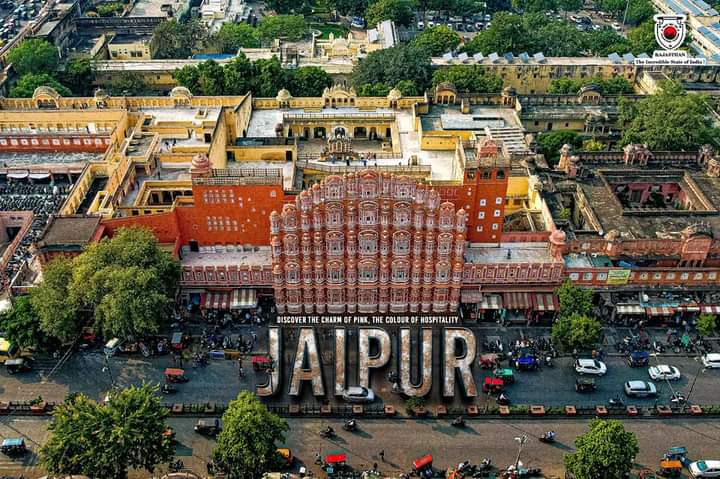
point(217, 300)
point(491, 301)
point(545, 302)
point(629, 309)
point(710, 308)
point(659, 311)
point(18, 175)
point(470, 296)
point(517, 300)
point(692, 307)
point(39, 176)
point(243, 299)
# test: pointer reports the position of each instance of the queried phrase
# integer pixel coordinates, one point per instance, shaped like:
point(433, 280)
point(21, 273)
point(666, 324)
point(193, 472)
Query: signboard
point(618, 276)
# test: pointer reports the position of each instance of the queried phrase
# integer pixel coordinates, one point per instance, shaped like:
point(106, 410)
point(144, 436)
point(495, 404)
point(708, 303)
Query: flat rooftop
point(575, 111)
point(12, 160)
point(493, 253)
point(154, 8)
point(69, 230)
point(196, 116)
point(262, 122)
point(441, 117)
point(224, 255)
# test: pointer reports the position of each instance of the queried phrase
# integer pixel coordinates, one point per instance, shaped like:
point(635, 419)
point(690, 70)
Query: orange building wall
point(478, 189)
point(164, 225)
point(240, 216)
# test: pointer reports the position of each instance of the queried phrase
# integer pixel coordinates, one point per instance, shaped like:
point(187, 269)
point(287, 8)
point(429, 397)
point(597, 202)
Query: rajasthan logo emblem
point(670, 30)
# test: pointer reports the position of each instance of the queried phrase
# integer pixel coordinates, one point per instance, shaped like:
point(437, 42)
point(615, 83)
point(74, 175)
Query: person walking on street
point(382, 455)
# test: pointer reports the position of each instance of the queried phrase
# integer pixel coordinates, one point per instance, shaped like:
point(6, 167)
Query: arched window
point(401, 243)
point(291, 244)
point(368, 272)
point(335, 272)
point(368, 242)
point(444, 244)
point(335, 244)
point(401, 217)
point(292, 273)
point(443, 272)
point(400, 271)
point(368, 214)
point(334, 217)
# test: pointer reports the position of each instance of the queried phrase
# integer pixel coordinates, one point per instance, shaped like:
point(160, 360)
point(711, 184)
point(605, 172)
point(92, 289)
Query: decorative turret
point(200, 165)
point(557, 243)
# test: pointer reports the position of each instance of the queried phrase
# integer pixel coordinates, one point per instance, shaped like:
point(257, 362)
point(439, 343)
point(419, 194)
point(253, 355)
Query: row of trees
point(121, 287)
point(262, 77)
point(129, 431)
point(534, 32)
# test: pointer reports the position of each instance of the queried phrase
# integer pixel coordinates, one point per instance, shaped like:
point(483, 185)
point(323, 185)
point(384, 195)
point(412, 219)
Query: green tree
point(468, 78)
point(51, 301)
point(173, 39)
point(127, 282)
point(34, 56)
point(407, 88)
point(550, 142)
point(576, 332)
point(269, 77)
point(392, 65)
point(571, 86)
point(670, 120)
point(569, 5)
point(706, 324)
point(558, 39)
point(309, 81)
point(606, 451)
point(246, 446)
point(109, 9)
point(605, 42)
point(129, 84)
point(105, 440)
point(351, 7)
point(639, 11)
point(290, 27)
point(574, 300)
point(27, 84)
point(535, 5)
point(233, 36)
point(238, 76)
point(20, 326)
point(79, 76)
point(642, 38)
point(373, 89)
point(189, 77)
point(210, 78)
point(285, 6)
point(437, 40)
point(593, 145)
point(507, 33)
point(615, 7)
point(400, 11)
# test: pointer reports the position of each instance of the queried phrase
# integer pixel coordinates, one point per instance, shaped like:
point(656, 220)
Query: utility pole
point(692, 386)
point(627, 5)
point(521, 440)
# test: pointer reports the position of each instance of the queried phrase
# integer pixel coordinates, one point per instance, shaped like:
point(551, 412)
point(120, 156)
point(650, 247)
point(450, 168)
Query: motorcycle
point(616, 402)
point(658, 347)
point(176, 466)
point(486, 464)
point(677, 398)
point(548, 437)
point(327, 433)
point(548, 361)
point(503, 399)
point(458, 422)
point(350, 425)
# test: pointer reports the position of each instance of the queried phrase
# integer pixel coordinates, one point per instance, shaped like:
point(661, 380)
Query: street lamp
point(521, 440)
point(692, 386)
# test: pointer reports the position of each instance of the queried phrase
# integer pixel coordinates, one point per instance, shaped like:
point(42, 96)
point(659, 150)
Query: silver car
point(358, 394)
point(640, 389)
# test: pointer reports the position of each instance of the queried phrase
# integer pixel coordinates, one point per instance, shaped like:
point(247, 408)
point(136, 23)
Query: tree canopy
point(129, 84)
point(468, 78)
point(246, 446)
point(26, 85)
point(402, 12)
point(233, 36)
point(669, 120)
point(550, 142)
point(706, 324)
point(290, 27)
point(612, 86)
point(20, 326)
point(574, 299)
point(392, 65)
point(125, 282)
point(309, 81)
point(79, 75)
point(105, 440)
point(437, 40)
point(173, 39)
point(34, 56)
point(576, 332)
point(606, 451)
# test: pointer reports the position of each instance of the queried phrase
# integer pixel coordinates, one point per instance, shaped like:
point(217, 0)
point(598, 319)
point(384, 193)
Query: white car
point(664, 372)
point(421, 25)
point(358, 394)
point(640, 389)
point(616, 26)
point(705, 468)
point(711, 360)
point(590, 366)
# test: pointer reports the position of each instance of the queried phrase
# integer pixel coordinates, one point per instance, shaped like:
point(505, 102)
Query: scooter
point(176, 466)
point(458, 422)
point(677, 398)
point(548, 437)
point(616, 402)
point(503, 399)
point(548, 361)
point(328, 432)
point(350, 425)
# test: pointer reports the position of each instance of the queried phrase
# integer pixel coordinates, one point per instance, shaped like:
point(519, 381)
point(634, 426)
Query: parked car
point(487, 17)
point(358, 394)
point(420, 25)
point(616, 26)
point(357, 22)
point(705, 468)
point(469, 27)
point(664, 372)
point(640, 389)
point(590, 366)
point(479, 26)
point(711, 360)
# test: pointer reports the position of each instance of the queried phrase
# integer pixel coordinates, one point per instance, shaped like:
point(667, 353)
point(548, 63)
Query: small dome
point(180, 91)
point(446, 85)
point(394, 94)
point(45, 91)
point(283, 95)
point(200, 164)
point(101, 94)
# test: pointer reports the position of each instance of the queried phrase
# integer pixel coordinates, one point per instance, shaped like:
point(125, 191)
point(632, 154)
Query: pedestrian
point(382, 457)
point(254, 337)
point(375, 467)
point(318, 458)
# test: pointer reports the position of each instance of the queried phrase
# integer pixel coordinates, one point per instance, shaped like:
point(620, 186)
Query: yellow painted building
point(130, 47)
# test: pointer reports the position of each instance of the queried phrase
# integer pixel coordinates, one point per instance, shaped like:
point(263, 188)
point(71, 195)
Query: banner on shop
point(374, 348)
point(618, 276)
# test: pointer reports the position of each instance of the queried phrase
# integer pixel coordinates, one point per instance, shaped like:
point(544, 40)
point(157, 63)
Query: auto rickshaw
point(334, 463)
point(506, 374)
point(207, 427)
point(670, 468)
point(527, 363)
point(18, 365)
point(638, 359)
point(488, 361)
point(261, 363)
point(423, 466)
point(175, 375)
point(178, 342)
point(14, 446)
point(675, 453)
point(493, 385)
point(585, 385)
point(286, 456)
